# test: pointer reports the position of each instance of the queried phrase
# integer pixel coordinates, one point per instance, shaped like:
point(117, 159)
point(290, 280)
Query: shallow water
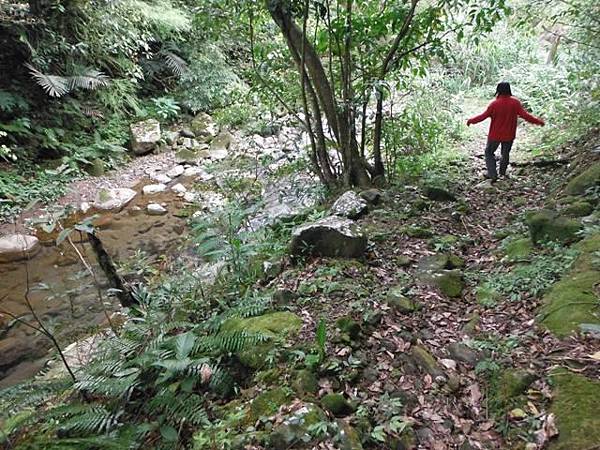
point(62, 292)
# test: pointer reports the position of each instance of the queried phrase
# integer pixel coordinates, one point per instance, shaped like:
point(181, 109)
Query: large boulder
point(548, 225)
point(145, 136)
point(219, 146)
point(438, 194)
point(113, 199)
point(16, 247)
point(330, 236)
point(349, 205)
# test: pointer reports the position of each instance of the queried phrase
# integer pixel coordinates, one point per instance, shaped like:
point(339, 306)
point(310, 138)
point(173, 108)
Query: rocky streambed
point(140, 214)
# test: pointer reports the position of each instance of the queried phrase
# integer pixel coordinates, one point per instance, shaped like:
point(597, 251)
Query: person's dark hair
point(503, 89)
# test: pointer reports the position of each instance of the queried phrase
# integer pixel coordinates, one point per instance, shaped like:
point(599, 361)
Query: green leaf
point(64, 234)
point(169, 433)
point(184, 344)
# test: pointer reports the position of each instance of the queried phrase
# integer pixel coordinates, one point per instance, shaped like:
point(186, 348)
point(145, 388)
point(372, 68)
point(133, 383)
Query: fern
point(59, 86)
point(84, 419)
point(178, 408)
point(177, 65)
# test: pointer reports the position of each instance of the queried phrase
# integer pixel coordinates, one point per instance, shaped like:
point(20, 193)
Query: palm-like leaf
point(175, 63)
point(90, 79)
point(54, 85)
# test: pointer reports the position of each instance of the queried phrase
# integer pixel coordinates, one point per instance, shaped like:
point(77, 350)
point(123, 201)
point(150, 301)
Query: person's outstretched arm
point(529, 117)
point(481, 117)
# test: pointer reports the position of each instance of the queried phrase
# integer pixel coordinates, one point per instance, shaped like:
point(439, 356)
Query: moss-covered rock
point(577, 411)
point(275, 326)
point(403, 261)
point(296, 427)
point(268, 403)
point(426, 361)
point(573, 301)
point(418, 232)
point(305, 383)
point(399, 302)
point(348, 438)
point(438, 194)
point(578, 209)
point(510, 387)
point(519, 249)
point(546, 225)
point(449, 282)
point(585, 180)
point(337, 405)
point(349, 327)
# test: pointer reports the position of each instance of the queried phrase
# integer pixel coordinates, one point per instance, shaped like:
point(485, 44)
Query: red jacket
point(504, 112)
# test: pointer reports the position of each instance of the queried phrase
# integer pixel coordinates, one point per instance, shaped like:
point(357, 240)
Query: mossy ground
point(576, 406)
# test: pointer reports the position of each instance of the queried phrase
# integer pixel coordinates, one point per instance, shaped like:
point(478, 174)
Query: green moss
point(104, 195)
point(418, 232)
point(268, 403)
point(547, 225)
point(396, 300)
point(508, 390)
point(450, 282)
point(519, 249)
point(578, 209)
point(570, 302)
point(403, 261)
point(305, 382)
point(349, 326)
point(276, 326)
point(426, 361)
point(585, 180)
point(337, 405)
point(573, 301)
point(577, 411)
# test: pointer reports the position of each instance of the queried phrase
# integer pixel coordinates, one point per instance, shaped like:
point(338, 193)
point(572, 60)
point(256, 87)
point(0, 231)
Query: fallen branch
point(110, 270)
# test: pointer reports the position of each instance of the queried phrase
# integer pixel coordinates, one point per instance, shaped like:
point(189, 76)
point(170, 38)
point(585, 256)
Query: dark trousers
point(490, 157)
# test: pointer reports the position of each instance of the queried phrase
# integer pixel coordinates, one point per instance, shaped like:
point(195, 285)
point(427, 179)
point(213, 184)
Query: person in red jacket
point(504, 112)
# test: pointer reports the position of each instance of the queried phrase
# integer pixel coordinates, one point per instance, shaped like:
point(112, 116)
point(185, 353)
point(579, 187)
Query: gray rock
point(188, 133)
point(349, 205)
point(461, 352)
point(171, 137)
point(330, 236)
point(145, 136)
point(396, 300)
point(113, 199)
point(204, 127)
point(439, 194)
point(154, 209)
point(179, 188)
point(175, 171)
point(16, 247)
point(372, 196)
point(152, 189)
point(193, 171)
point(160, 178)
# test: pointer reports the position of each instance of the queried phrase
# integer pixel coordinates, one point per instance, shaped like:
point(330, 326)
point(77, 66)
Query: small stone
point(450, 282)
point(438, 194)
point(16, 247)
point(188, 133)
point(152, 189)
point(179, 188)
point(284, 296)
point(463, 353)
point(154, 209)
point(372, 196)
point(160, 178)
point(396, 300)
point(193, 171)
point(84, 207)
point(113, 199)
point(171, 137)
point(403, 261)
point(349, 205)
point(96, 168)
point(189, 197)
point(175, 171)
point(547, 225)
point(426, 361)
point(305, 382)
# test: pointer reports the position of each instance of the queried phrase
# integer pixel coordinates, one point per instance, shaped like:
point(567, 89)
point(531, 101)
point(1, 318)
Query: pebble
point(153, 189)
point(179, 188)
point(175, 171)
point(154, 209)
point(161, 178)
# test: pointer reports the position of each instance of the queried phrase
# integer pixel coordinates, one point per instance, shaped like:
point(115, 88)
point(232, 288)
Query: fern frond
point(177, 407)
point(90, 79)
point(107, 386)
point(230, 342)
point(176, 64)
point(53, 85)
point(83, 419)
